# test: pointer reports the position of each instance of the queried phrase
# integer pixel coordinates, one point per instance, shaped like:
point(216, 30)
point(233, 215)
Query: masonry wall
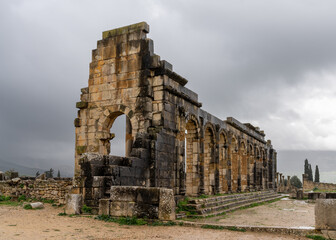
point(180, 145)
point(310, 185)
point(38, 189)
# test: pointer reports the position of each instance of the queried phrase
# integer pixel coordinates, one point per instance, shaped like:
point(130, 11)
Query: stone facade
point(171, 142)
point(144, 202)
point(310, 185)
point(37, 189)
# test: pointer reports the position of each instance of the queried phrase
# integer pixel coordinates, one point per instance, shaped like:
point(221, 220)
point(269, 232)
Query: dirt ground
point(283, 213)
point(17, 223)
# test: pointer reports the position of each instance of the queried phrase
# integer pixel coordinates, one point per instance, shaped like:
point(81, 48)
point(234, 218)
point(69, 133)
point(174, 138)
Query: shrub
point(86, 209)
point(296, 182)
point(22, 198)
point(4, 198)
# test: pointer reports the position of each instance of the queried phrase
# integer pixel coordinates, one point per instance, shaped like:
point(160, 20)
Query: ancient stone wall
point(178, 145)
point(37, 189)
point(143, 202)
point(310, 185)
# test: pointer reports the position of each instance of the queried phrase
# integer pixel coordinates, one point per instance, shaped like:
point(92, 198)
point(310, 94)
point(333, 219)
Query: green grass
point(135, 221)
point(258, 204)
point(183, 206)
point(86, 209)
point(122, 220)
point(236, 229)
point(4, 198)
point(316, 237)
point(22, 198)
point(62, 214)
point(47, 200)
point(207, 226)
point(27, 207)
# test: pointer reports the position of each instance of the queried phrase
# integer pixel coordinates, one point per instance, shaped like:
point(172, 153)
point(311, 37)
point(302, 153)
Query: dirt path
point(17, 223)
point(283, 213)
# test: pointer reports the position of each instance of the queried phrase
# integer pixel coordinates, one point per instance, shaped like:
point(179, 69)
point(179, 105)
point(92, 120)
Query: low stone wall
point(50, 189)
point(149, 202)
point(310, 185)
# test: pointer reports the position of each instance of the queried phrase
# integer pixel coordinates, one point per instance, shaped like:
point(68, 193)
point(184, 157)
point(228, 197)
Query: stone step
point(233, 204)
point(235, 207)
point(221, 201)
point(224, 197)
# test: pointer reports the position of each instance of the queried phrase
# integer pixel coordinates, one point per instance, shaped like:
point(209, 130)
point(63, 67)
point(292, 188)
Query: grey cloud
point(239, 56)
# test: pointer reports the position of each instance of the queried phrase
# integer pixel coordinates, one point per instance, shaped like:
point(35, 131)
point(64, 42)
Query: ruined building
point(171, 142)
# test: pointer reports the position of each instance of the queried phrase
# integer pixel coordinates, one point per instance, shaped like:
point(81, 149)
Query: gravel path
point(17, 223)
point(283, 213)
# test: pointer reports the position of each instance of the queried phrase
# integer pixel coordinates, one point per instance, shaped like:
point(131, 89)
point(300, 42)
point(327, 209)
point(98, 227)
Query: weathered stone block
point(73, 203)
point(81, 105)
point(325, 214)
point(104, 206)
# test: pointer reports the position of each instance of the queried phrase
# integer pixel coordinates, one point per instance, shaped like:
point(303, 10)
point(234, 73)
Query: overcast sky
point(270, 63)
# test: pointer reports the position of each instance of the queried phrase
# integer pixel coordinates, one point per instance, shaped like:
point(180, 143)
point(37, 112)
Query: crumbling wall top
point(143, 26)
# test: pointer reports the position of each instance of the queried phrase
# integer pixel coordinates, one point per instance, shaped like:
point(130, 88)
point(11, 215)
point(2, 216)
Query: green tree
point(306, 167)
point(317, 174)
point(295, 181)
point(310, 173)
point(58, 174)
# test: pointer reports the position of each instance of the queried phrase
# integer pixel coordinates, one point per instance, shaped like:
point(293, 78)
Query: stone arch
point(258, 168)
point(233, 150)
point(223, 166)
point(251, 161)
point(192, 142)
point(242, 167)
point(210, 172)
point(105, 122)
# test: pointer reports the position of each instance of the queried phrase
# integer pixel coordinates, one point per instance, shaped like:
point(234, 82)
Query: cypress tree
point(306, 166)
point(58, 174)
point(310, 173)
point(317, 174)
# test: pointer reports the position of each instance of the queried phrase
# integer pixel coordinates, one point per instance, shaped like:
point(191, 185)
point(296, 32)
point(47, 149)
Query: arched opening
point(191, 156)
point(250, 177)
point(243, 167)
point(209, 162)
point(120, 143)
point(257, 172)
point(234, 164)
point(223, 166)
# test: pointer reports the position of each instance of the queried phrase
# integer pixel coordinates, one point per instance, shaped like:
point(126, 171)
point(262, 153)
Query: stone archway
point(223, 166)
point(209, 160)
point(105, 122)
point(192, 157)
point(233, 149)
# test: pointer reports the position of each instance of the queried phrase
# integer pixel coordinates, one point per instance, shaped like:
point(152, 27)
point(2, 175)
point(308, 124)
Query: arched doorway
point(209, 161)
point(223, 166)
point(192, 158)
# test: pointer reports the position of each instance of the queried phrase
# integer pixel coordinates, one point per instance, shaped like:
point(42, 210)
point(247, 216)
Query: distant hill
point(23, 170)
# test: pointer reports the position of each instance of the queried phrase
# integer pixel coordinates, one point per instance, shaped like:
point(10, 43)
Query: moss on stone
point(81, 149)
point(127, 29)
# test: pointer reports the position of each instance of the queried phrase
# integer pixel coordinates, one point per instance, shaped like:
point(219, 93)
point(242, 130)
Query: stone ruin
point(171, 142)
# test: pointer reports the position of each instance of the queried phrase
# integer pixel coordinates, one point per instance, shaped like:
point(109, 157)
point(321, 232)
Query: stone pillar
point(129, 138)
point(277, 179)
point(288, 184)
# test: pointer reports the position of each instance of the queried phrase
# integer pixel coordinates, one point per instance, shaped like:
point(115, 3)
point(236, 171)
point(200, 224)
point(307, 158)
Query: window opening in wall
point(118, 143)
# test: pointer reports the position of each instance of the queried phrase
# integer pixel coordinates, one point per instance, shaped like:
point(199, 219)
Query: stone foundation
point(50, 189)
point(143, 202)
